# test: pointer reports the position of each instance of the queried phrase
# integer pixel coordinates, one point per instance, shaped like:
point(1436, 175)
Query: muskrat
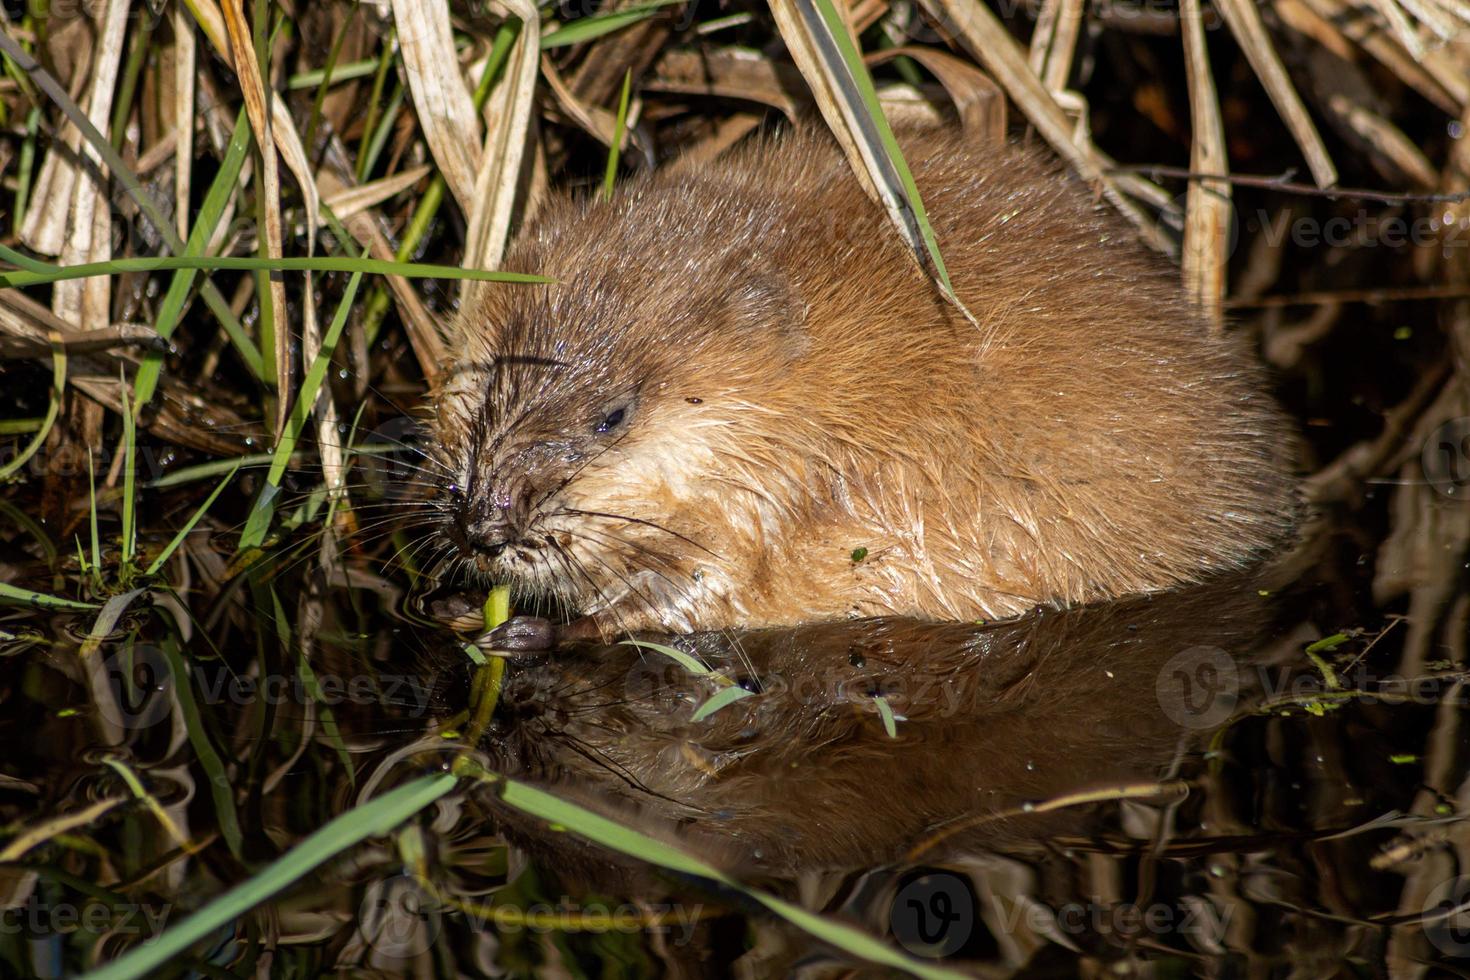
point(744, 404)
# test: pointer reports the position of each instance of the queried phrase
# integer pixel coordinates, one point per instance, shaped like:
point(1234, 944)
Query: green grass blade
point(204, 471)
point(588, 28)
point(843, 65)
point(619, 127)
point(601, 830)
point(330, 728)
point(374, 819)
point(15, 594)
point(721, 698)
point(885, 711)
point(53, 408)
point(112, 611)
point(322, 263)
point(338, 74)
point(92, 514)
point(26, 523)
point(375, 99)
point(433, 196)
point(130, 476)
point(178, 539)
point(23, 260)
point(221, 789)
point(260, 515)
point(216, 199)
point(329, 74)
point(25, 169)
point(380, 136)
point(729, 692)
point(122, 103)
point(690, 663)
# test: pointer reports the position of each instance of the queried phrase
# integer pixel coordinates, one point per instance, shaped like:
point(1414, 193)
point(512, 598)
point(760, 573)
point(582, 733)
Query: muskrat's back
point(804, 429)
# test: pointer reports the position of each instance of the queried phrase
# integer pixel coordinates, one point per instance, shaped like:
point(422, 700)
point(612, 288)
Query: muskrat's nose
point(483, 529)
point(487, 537)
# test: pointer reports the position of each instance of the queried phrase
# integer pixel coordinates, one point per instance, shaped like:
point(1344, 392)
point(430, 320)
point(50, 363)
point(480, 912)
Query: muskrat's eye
point(613, 419)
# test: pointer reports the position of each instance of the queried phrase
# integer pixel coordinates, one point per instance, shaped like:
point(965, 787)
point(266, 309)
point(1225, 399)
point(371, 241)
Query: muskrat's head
point(586, 429)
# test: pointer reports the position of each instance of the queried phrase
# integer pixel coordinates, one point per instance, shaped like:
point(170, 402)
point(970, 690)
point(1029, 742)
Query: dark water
point(1262, 775)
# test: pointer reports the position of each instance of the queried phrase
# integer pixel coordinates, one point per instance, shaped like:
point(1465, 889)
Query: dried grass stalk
point(446, 113)
point(984, 36)
point(1451, 80)
point(1244, 21)
point(1207, 204)
point(827, 55)
point(1054, 42)
point(507, 127)
point(732, 73)
point(1344, 43)
point(183, 106)
point(349, 201)
point(86, 302)
point(830, 85)
point(978, 101)
point(252, 87)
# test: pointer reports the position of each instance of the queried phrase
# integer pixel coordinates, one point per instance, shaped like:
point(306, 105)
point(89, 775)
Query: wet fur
point(802, 392)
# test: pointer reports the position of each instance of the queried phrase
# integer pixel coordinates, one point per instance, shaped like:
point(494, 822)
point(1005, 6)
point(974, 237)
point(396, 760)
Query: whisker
point(634, 520)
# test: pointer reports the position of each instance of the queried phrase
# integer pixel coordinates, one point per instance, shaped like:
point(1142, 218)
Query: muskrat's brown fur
point(743, 404)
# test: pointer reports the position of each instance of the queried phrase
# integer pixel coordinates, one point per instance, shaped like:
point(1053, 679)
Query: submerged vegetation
point(231, 238)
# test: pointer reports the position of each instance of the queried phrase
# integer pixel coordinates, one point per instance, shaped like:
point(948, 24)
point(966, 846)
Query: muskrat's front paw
point(519, 634)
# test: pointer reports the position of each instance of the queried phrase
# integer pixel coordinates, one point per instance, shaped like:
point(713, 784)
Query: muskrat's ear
point(766, 302)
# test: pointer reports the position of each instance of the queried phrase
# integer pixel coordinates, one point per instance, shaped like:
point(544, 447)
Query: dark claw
point(520, 634)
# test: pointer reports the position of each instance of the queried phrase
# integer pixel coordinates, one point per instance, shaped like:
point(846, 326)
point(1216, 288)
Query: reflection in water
point(1006, 738)
point(989, 722)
